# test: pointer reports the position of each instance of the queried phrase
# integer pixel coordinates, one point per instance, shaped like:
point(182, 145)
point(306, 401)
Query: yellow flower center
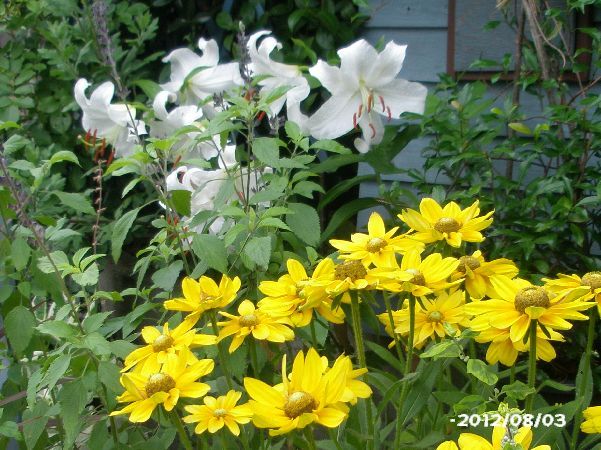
point(209, 301)
point(435, 316)
point(592, 279)
point(249, 320)
point(531, 296)
point(159, 382)
point(354, 270)
point(220, 412)
point(418, 277)
point(447, 225)
point(467, 261)
point(162, 343)
point(298, 403)
point(374, 245)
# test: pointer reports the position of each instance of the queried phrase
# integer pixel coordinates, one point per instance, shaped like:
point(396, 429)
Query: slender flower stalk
point(408, 362)
point(590, 338)
point(531, 365)
point(179, 426)
point(221, 352)
point(358, 332)
point(397, 343)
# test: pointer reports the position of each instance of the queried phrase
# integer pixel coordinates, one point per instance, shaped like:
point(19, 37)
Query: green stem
point(253, 358)
point(397, 343)
point(531, 365)
point(183, 436)
point(358, 332)
point(512, 375)
point(310, 438)
point(408, 367)
point(590, 338)
point(221, 352)
point(334, 438)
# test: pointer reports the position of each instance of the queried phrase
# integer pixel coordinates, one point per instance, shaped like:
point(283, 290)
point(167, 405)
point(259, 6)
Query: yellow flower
point(418, 277)
point(450, 223)
point(469, 441)
point(145, 390)
point(254, 321)
point(378, 247)
point(204, 295)
point(520, 302)
point(160, 345)
point(217, 412)
point(502, 349)
point(430, 317)
point(354, 389)
point(306, 397)
point(295, 295)
point(592, 420)
point(477, 273)
point(586, 288)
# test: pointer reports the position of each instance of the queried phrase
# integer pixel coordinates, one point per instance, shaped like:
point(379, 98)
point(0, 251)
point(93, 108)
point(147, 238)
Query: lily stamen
point(382, 103)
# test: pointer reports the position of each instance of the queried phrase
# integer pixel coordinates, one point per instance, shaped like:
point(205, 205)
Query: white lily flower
point(172, 121)
point(278, 75)
point(108, 121)
point(364, 89)
point(209, 76)
point(205, 185)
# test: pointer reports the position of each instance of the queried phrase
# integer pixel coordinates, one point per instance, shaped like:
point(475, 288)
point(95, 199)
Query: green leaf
point(88, 277)
point(11, 430)
point(517, 390)
point(180, 200)
point(345, 212)
point(97, 344)
point(331, 146)
point(258, 250)
point(72, 399)
point(341, 188)
point(520, 128)
point(34, 423)
point(64, 155)
point(166, 277)
point(108, 374)
point(57, 329)
point(304, 223)
point(482, 371)
point(95, 321)
point(120, 231)
point(55, 371)
point(444, 349)
point(584, 371)
point(211, 250)
point(267, 151)
point(150, 88)
point(76, 201)
point(385, 355)
point(20, 252)
point(19, 324)
point(121, 348)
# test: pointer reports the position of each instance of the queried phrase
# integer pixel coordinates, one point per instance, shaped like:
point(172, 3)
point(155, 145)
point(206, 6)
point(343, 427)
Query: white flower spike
point(364, 89)
point(108, 121)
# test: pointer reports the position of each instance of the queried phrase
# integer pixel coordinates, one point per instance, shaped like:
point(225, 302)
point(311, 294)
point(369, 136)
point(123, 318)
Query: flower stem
point(221, 352)
point(183, 436)
point(253, 358)
point(531, 365)
point(310, 438)
point(334, 438)
point(584, 380)
point(397, 343)
point(408, 367)
point(358, 332)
